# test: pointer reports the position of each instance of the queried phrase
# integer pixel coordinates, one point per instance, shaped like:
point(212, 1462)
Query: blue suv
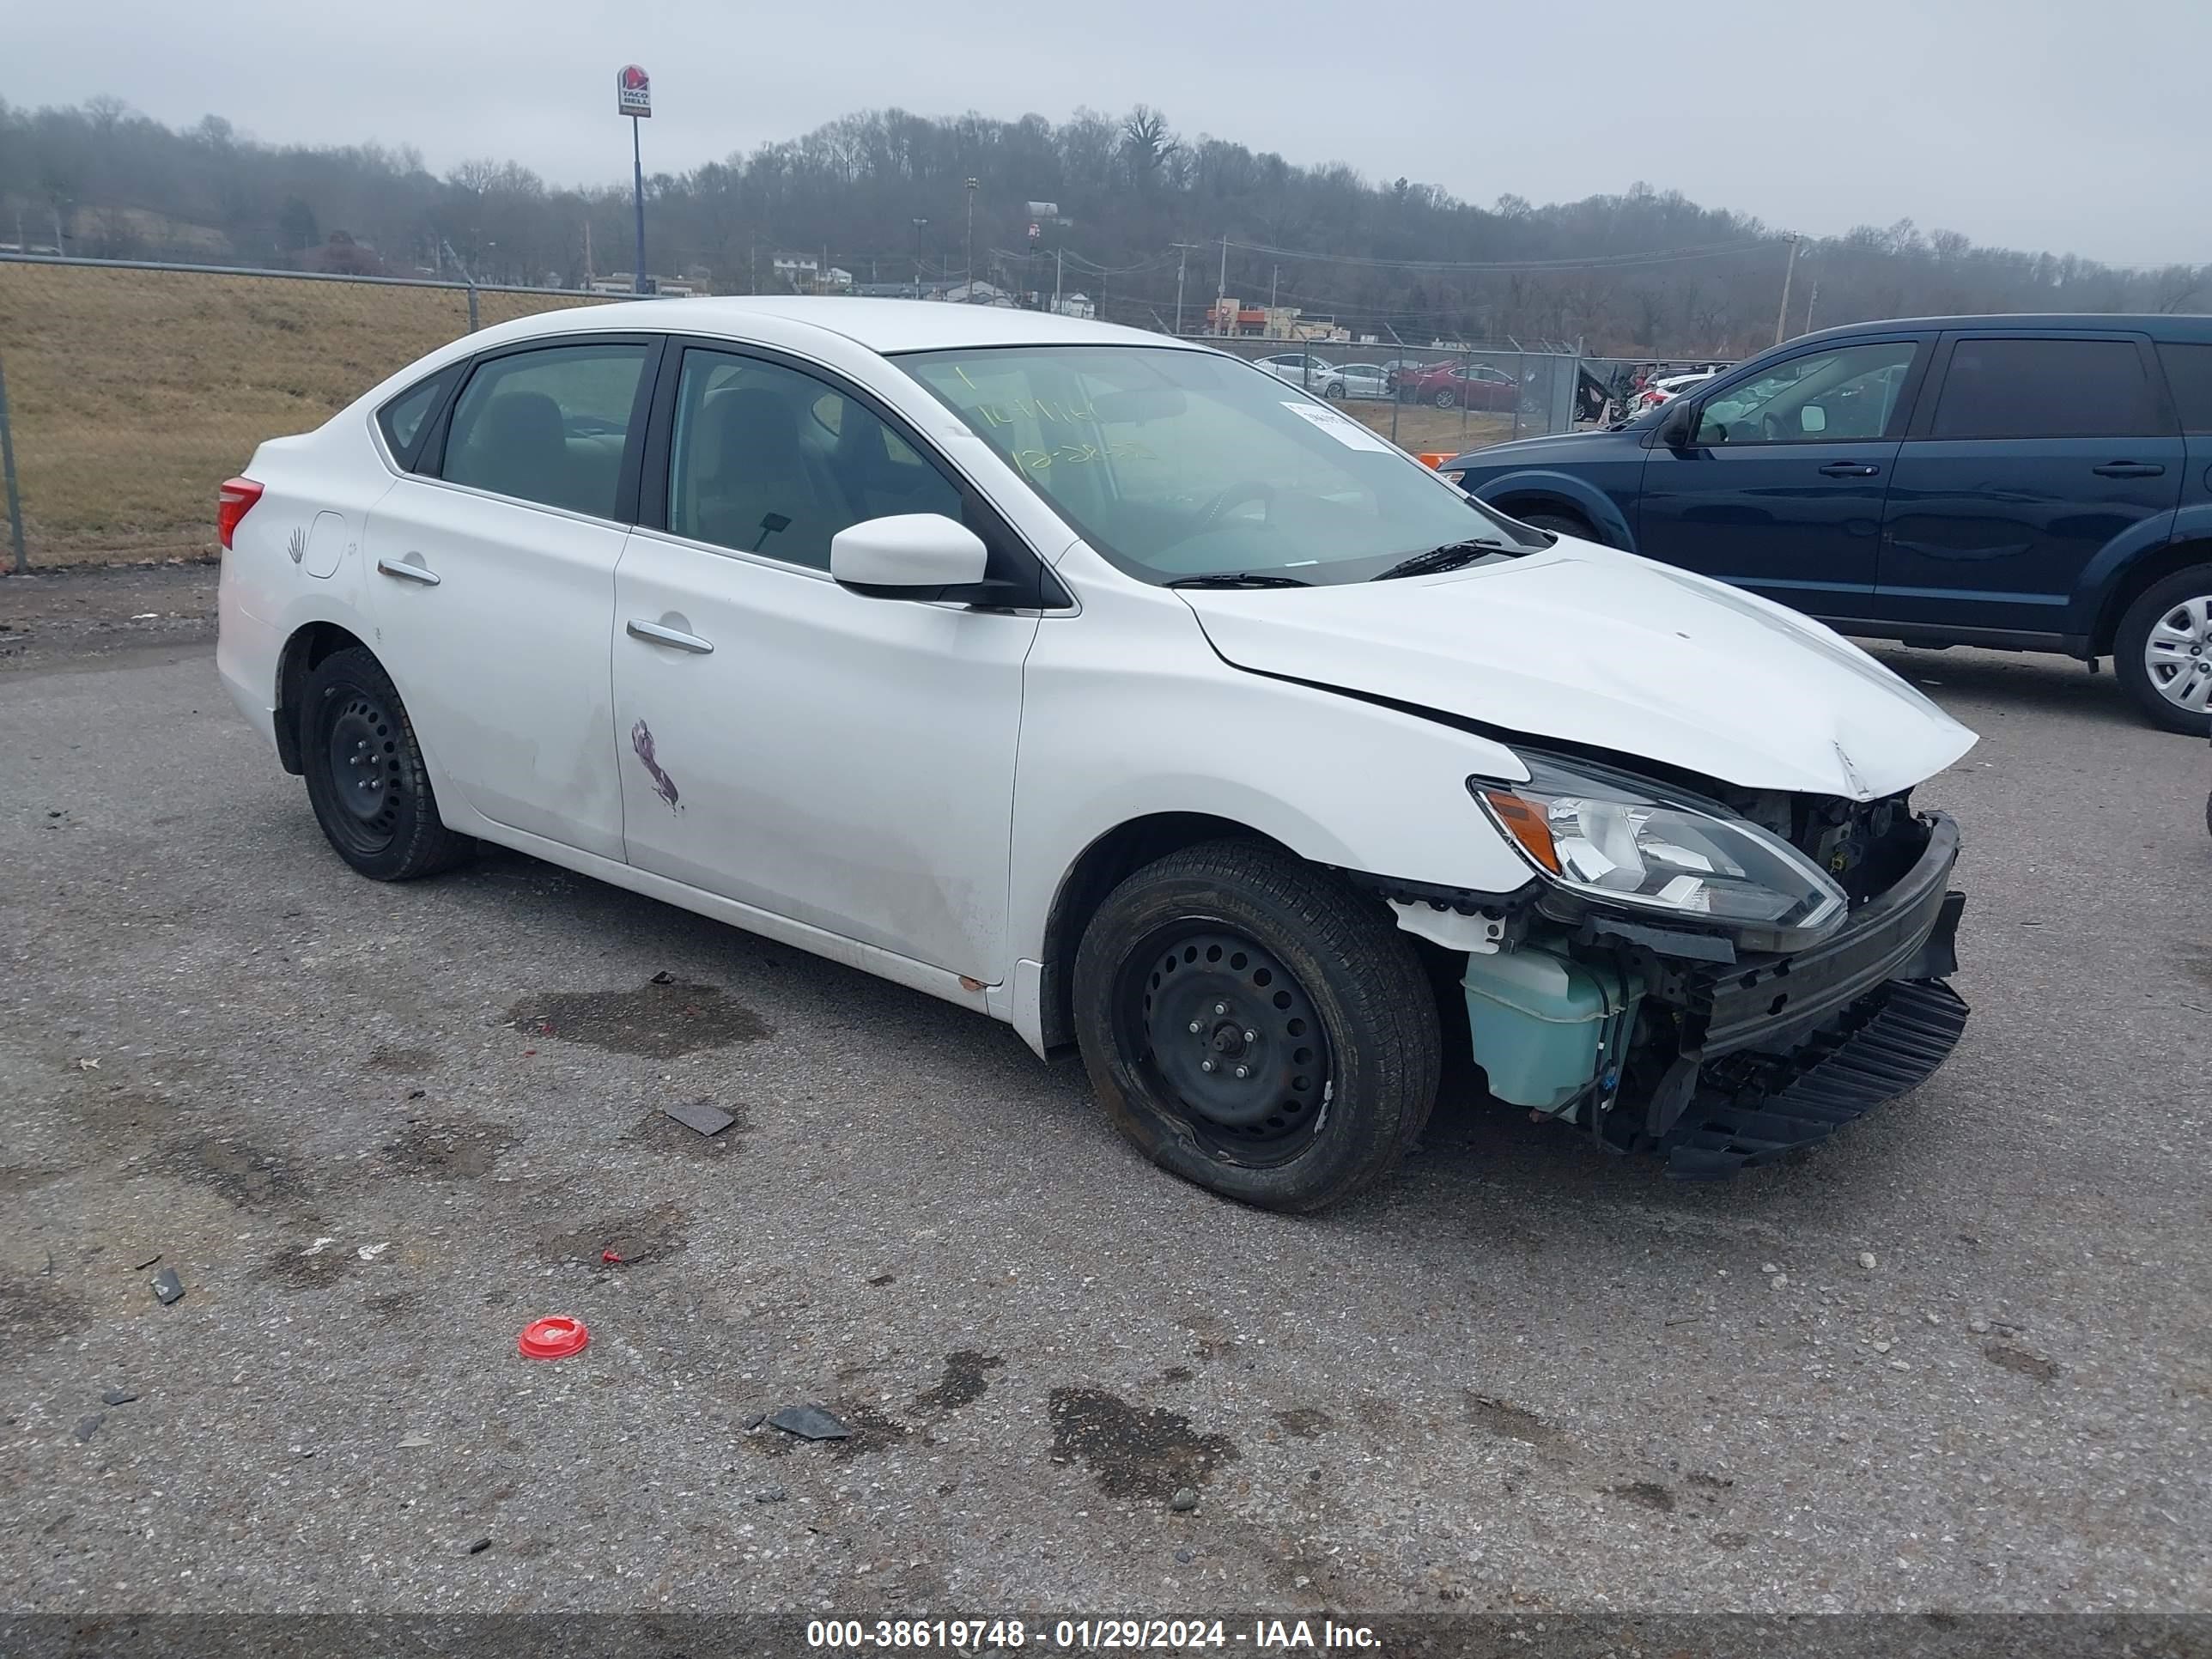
point(2031, 483)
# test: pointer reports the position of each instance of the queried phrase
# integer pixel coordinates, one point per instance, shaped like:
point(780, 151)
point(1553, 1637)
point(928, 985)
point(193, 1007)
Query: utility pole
point(968, 269)
point(919, 225)
point(1275, 282)
point(1182, 260)
point(1781, 313)
point(1221, 294)
point(1810, 303)
point(1059, 271)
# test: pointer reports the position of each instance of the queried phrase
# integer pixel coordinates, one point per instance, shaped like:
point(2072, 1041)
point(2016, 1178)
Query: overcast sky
point(2032, 124)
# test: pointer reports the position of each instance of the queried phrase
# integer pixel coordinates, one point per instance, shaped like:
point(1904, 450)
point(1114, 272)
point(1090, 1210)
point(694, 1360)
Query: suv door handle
point(2128, 470)
point(1850, 470)
point(654, 633)
point(409, 573)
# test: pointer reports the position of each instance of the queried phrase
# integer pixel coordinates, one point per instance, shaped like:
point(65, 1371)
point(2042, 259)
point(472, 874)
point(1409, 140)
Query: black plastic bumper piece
point(1773, 1006)
point(1795, 1100)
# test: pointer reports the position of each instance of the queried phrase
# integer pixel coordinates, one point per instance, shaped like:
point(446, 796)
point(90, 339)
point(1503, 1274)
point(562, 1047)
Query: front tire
point(2162, 651)
point(366, 777)
point(1292, 980)
point(1560, 524)
point(1445, 399)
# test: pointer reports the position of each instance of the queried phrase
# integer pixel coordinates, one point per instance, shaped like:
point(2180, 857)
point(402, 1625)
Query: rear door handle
point(409, 573)
point(654, 633)
point(1850, 470)
point(2128, 470)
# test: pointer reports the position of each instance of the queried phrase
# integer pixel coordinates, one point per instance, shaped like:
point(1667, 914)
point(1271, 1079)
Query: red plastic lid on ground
point(555, 1338)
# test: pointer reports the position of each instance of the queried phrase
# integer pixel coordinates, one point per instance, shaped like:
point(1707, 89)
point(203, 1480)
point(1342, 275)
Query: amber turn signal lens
point(1527, 825)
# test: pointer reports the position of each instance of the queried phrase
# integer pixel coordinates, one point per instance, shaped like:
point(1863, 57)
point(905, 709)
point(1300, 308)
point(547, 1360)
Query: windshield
point(1176, 464)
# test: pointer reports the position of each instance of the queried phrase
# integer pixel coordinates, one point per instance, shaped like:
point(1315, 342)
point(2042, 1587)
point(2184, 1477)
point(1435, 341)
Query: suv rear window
point(2047, 389)
point(2188, 375)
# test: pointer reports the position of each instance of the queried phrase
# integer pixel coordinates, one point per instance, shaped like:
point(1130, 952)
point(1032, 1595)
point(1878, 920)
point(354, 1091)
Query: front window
point(1823, 397)
point(1178, 464)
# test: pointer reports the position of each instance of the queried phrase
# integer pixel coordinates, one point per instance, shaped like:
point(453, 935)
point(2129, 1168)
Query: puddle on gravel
point(455, 1149)
point(1305, 1422)
point(249, 1177)
point(963, 1383)
point(658, 1021)
point(2019, 1361)
point(121, 1117)
point(1646, 1494)
point(296, 1269)
point(34, 1310)
point(637, 1236)
point(1510, 1422)
point(407, 1061)
point(1133, 1452)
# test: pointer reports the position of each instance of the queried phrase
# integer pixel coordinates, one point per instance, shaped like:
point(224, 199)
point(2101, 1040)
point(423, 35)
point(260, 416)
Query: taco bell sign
point(633, 91)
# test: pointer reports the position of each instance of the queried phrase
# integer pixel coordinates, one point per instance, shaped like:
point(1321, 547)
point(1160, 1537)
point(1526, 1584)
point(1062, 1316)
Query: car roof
point(882, 325)
point(2162, 326)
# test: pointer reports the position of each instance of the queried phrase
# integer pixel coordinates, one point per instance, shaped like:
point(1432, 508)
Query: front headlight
point(1622, 841)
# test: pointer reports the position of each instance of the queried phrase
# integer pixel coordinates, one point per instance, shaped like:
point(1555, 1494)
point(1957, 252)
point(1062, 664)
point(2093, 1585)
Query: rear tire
point(1445, 399)
point(366, 776)
point(2165, 641)
point(1288, 975)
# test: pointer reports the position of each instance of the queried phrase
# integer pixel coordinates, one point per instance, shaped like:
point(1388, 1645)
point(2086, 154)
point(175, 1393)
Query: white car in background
point(1089, 680)
point(1307, 373)
point(1672, 386)
point(1370, 382)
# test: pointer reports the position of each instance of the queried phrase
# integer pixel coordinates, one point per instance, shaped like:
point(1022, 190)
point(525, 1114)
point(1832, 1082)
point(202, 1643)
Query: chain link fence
point(1431, 400)
point(127, 393)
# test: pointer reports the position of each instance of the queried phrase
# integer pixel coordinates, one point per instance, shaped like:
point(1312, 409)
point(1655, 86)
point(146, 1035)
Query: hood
point(1584, 645)
point(1535, 452)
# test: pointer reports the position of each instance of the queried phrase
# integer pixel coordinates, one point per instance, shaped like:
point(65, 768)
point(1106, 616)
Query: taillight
point(233, 502)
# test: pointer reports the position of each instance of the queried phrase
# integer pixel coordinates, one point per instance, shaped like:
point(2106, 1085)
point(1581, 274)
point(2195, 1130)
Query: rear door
point(2031, 452)
point(1779, 487)
point(491, 582)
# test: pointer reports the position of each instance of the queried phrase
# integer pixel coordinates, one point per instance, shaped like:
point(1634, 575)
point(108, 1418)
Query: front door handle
point(2128, 470)
point(654, 633)
point(409, 573)
point(1850, 470)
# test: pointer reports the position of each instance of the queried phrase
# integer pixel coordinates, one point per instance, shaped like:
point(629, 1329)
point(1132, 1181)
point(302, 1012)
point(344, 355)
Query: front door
point(840, 761)
point(2038, 452)
point(1778, 488)
point(492, 586)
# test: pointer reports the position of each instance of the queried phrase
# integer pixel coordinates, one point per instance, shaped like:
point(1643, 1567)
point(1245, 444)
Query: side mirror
point(909, 555)
point(1679, 428)
point(1813, 418)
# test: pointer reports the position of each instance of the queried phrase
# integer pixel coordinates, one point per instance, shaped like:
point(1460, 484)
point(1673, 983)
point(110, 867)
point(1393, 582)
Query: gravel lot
point(376, 1129)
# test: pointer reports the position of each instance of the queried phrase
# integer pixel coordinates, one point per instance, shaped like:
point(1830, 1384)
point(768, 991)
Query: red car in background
point(1460, 386)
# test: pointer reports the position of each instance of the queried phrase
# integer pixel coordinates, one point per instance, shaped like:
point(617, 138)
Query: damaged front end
point(1715, 978)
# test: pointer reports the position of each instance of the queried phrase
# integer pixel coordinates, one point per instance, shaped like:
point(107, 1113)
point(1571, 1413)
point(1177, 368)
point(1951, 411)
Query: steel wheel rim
point(1251, 1014)
point(367, 784)
point(2177, 654)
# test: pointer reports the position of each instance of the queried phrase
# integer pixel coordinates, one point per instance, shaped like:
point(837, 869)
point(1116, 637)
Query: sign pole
point(637, 185)
point(634, 98)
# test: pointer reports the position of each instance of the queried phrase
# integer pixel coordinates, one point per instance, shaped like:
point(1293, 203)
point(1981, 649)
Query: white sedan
point(1093, 681)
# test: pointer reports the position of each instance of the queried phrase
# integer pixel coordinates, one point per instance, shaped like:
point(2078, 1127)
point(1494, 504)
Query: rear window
point(2047, 389)
point(2188, 375)
point(404, 418)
